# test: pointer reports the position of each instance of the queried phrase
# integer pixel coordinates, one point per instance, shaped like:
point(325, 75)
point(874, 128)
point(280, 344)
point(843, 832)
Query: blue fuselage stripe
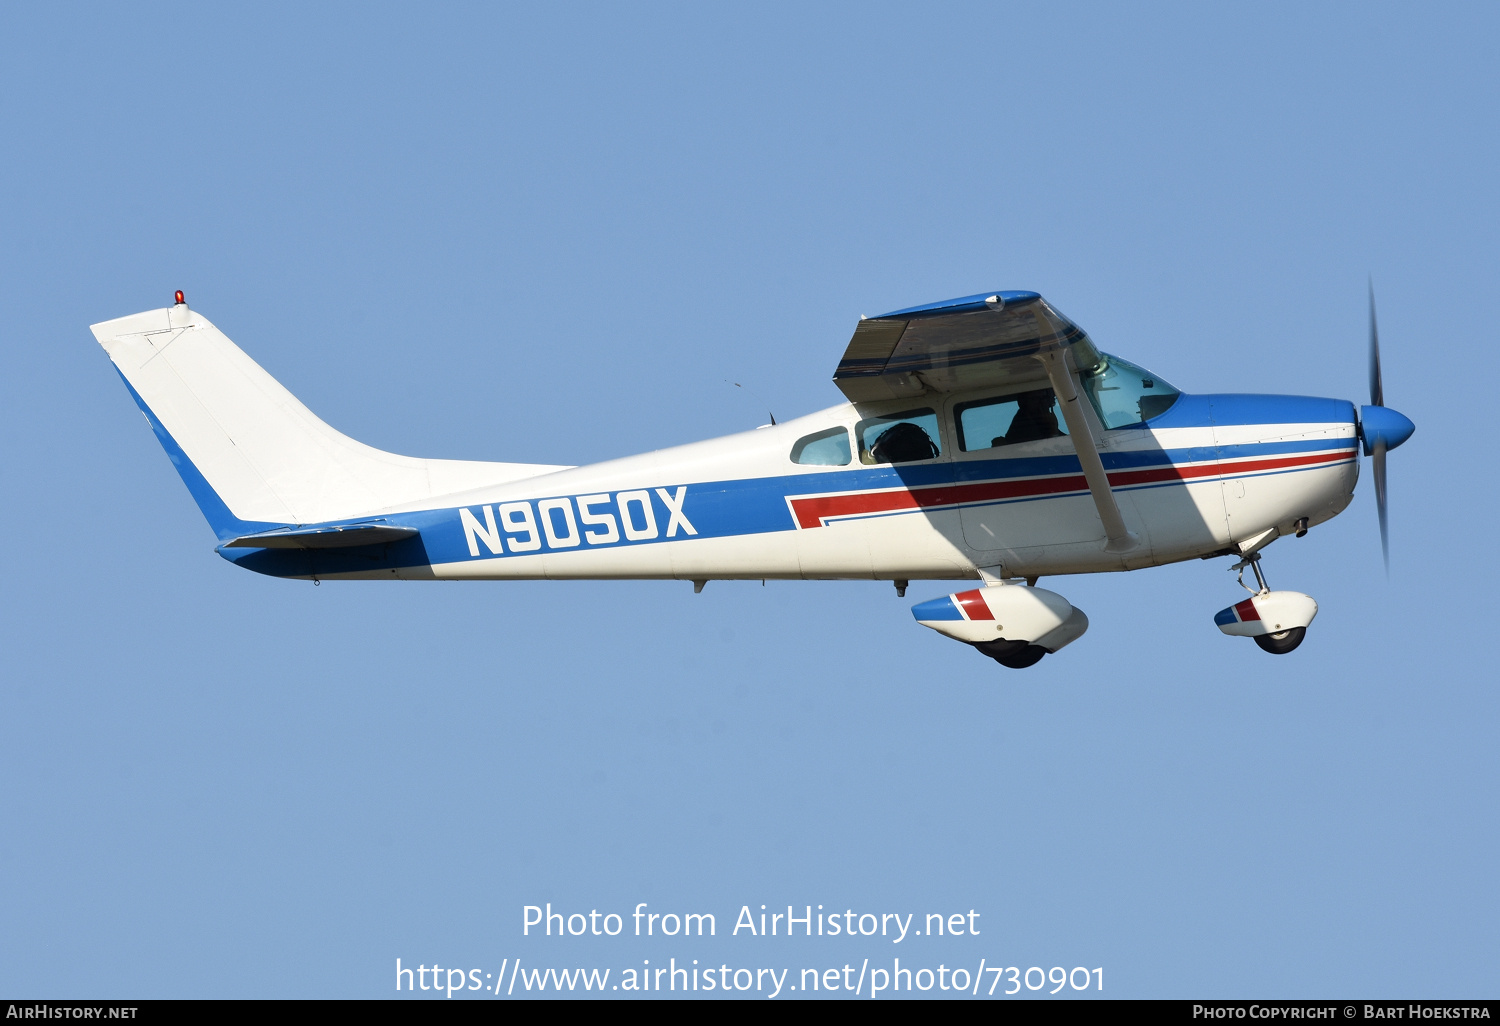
point(721, 509)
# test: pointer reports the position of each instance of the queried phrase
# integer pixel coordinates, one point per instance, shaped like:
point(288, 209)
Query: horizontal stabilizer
point(342, 536)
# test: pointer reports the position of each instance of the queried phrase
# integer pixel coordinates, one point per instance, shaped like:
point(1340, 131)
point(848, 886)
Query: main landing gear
point(1277, 620)
point(1014, 625)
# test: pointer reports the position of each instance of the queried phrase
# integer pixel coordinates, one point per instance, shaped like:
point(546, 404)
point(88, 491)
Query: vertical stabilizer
point(250, 452)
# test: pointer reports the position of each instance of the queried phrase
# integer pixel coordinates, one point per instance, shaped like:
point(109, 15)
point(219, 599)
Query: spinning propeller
point(1381, 430)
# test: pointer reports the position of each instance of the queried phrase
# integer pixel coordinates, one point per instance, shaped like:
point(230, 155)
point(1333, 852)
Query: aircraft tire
point(1281, 642)
point(1015, 654)
point(1028, 656)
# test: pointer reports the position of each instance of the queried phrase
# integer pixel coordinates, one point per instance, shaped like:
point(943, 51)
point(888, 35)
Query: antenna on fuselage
point(752, 391)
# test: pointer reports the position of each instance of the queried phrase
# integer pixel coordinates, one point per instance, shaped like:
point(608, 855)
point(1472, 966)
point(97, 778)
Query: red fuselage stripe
point(815, 510)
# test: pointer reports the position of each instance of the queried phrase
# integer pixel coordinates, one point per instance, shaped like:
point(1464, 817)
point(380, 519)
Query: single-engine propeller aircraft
point(984, 438)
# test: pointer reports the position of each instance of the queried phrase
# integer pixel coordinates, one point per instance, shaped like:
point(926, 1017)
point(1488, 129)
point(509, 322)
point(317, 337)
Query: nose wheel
point(1281, 642)
point(1277, 620)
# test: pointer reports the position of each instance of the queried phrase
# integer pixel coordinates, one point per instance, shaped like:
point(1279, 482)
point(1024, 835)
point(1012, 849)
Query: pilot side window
point(899, 437)
point(824, 449)
point(1009, 419)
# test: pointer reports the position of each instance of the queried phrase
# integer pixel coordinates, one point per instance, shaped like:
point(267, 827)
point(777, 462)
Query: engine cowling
point(1004, 612)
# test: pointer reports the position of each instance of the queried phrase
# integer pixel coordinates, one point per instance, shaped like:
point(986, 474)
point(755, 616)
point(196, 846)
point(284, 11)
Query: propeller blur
point(1382, 430)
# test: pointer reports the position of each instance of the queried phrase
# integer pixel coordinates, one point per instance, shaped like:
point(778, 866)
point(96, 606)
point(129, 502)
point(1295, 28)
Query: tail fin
point(251, 454)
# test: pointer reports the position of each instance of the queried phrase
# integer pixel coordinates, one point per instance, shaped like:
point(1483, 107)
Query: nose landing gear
point(1277, 620)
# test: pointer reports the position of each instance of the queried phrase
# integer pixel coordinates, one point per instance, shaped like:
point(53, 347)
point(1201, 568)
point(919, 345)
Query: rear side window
point(899, 437)
point(824, 449)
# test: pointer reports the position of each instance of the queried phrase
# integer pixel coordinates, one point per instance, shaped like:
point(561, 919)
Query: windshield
point(1124, 394)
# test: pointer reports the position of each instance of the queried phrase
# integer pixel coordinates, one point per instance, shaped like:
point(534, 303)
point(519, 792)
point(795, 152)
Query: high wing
point(977, 342)
point(955, 345)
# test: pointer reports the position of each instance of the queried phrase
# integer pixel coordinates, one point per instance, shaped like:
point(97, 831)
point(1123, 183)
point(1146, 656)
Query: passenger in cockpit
point(1034, 419)
point(903, 443)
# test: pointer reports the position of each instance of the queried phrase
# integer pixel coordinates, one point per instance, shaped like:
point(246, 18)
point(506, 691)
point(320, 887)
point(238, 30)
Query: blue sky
point(557, 234)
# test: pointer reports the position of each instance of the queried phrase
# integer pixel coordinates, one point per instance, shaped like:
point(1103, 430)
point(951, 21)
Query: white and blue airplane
point(984, 439)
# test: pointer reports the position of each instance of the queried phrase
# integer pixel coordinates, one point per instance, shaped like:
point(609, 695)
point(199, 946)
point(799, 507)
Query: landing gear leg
point(1253, 562)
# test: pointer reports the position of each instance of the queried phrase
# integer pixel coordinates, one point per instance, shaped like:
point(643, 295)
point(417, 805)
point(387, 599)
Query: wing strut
point(1060, 371)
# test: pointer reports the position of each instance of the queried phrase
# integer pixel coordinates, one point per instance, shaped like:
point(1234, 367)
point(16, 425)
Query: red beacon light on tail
point(181, 300)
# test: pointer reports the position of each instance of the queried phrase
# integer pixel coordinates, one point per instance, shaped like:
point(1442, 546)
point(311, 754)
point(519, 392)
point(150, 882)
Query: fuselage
point(1207, 474)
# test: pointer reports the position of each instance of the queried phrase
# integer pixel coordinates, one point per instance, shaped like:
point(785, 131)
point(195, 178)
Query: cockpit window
point(899, 437)
point(1124, 394)
point(824, 449)
point(1009, 419)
